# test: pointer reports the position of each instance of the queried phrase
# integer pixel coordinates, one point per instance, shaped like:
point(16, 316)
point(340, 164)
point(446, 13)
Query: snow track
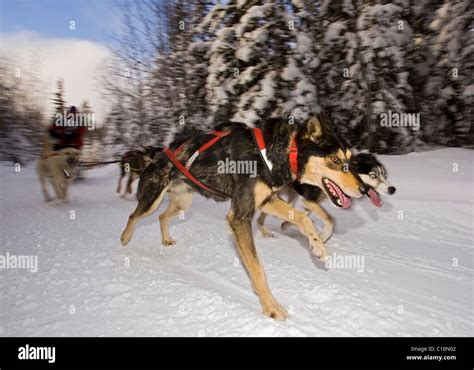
point(417, 275)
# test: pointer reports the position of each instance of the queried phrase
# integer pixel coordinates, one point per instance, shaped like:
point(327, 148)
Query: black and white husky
point(372, 172)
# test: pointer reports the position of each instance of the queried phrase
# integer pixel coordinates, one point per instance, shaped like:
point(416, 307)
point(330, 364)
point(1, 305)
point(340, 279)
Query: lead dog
point(321, 160)
point(370, 170)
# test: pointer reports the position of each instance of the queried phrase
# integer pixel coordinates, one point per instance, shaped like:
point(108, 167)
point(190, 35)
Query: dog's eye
point(335, 159)
point(372, 175)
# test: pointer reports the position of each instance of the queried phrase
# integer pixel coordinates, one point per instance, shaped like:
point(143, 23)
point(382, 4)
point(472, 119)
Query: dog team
point(310, 160)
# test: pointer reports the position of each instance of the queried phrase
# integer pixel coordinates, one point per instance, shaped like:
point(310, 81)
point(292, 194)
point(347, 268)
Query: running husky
point(60, 167)
point(311, 153)
point(133, 163)
point(370, 170)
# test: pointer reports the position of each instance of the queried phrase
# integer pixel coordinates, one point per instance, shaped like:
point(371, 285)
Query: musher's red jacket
point(68, 137)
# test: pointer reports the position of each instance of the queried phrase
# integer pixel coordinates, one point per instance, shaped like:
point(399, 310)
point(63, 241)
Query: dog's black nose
point(391, 190)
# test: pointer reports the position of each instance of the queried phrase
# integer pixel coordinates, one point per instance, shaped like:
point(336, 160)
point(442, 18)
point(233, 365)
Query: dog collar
point(294, 156)
point(260, 142)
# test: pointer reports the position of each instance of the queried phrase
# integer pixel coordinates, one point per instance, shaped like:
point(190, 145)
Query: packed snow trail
point(416, 277)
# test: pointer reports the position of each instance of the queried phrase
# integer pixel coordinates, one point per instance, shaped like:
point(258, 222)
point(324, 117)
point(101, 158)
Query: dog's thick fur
point(59, 168)
point(133, 163)
point(367, 166)
point(315, 142)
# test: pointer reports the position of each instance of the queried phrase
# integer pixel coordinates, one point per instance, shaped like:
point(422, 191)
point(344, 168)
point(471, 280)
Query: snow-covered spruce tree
point(139, 116)
point(256, 62)
point(385, 38)
point(180, 72)
point(451, 85)
point(94, 139)
point(116, 126)
point(21, 117)
point(58, 100)
point(8, 116)
point(196, 63)
point(362, 49)
point(179, 36)
point(163, 120)
point(341, 88)
point(300, 98)
point(131, 80)
point(421, 62)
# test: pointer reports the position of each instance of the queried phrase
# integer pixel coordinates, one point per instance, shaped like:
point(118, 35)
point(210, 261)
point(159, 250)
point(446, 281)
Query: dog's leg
point(328, 221)
point(65, 187)
point(57, 186)
point(279, 208)
point(261, 226)
point(57, 175)
point(143, 209)
point(292, 198)
point(179, 202)
point(132, 177)
point(119, 185)
point(242, 230)
point(286, 224)
point(44, 188)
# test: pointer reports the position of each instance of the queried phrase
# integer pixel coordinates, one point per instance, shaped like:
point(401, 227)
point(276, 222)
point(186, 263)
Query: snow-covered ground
point(416, 277)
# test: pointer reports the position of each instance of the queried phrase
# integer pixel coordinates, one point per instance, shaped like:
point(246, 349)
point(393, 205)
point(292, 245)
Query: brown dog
point(322, 161)
point(59, 168)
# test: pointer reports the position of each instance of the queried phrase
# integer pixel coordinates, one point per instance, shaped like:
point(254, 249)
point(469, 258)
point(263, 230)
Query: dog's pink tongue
point(346, 202)
point(374, 198)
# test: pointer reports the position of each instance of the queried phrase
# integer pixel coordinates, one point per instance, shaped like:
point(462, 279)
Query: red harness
point(184, 169)
point(294, 156)
point(260, 142)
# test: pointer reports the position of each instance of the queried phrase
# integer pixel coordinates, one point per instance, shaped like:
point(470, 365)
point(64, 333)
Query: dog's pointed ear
point(313, 129)
point(328, 126)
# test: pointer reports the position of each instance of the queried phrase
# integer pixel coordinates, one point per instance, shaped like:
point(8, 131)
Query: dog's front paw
point(319, 249)
point(267, 233)
point(276, 311)
point(168, 242)
point(125, 238)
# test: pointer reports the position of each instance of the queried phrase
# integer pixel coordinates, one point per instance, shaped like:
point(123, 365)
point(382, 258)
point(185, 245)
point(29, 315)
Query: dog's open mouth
point(374, 197)
point(336, 195)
